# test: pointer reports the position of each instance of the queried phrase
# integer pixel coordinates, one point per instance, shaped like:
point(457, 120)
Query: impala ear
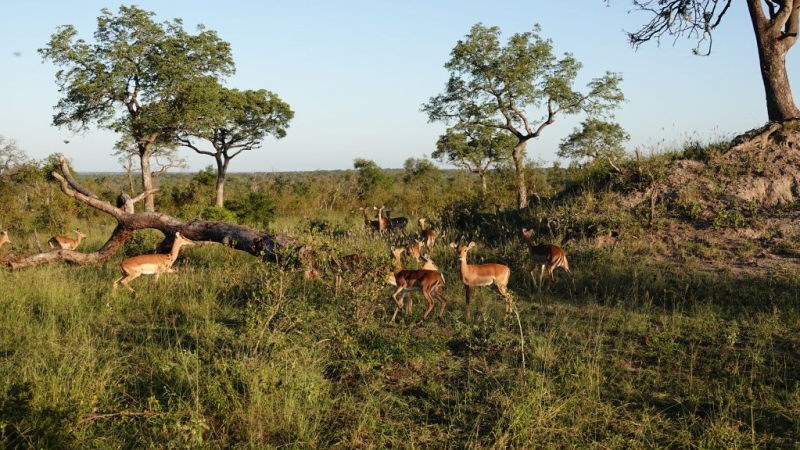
point(453, 244)
point(471, 244)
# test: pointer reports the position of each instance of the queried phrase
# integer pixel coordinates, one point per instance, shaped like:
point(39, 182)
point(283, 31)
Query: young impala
point(4, 238)
point(482, 275)
point(65, 243)
point(155, 264)
point(548, 256)
point(428, 236)
point(429, 282)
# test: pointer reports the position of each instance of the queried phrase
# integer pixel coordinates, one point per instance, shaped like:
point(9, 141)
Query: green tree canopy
point(504, 87)
point(371, 178)
point(129, 79)
point(232, 121)
point(596, 140)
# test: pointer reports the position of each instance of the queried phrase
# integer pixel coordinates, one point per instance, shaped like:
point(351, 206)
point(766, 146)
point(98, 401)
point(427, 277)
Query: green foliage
point(219, 214)
point(371, 178)
point(597, 140)
point(256, 208)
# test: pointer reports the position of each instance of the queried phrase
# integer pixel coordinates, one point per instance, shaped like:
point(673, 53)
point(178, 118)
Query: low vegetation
point(682, 329)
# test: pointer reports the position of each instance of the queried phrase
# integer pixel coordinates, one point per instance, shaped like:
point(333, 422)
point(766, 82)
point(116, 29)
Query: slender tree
point(496, 86)
point(776, 30)
point(475, 150)
point(232, 121)
point(129, 78)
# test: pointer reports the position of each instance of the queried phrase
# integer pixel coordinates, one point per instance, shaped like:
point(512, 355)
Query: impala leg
point(507, 296)
point(427, 295)
point(470, 290)
point(125, 280)
point(441, 298)
point(156, 276)
point(541, 276)
point(398, 302)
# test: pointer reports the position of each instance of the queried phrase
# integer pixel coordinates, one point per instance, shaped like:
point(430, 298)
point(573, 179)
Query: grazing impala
point(548, 256)
point(65, 243)
point(482, 275)
point(370, 224)
point(4, 238)
point(428, 236)
point(428, 281)
point(150, 264)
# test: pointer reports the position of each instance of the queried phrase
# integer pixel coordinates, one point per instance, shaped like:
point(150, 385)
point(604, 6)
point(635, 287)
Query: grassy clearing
point(229, 353)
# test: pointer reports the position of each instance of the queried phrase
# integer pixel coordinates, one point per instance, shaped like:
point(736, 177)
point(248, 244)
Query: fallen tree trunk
point(269, 247)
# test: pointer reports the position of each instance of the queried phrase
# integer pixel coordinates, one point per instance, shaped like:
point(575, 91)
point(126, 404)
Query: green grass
point(228, 353)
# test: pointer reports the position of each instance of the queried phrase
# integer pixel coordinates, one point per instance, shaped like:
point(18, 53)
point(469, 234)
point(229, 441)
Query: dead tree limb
point(269, 247)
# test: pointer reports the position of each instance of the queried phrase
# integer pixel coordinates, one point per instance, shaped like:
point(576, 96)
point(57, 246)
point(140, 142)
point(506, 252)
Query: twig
point(521, 338)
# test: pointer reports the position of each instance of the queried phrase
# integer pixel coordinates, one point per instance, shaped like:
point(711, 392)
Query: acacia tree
point(475, 150)
point(495, 86)
point(232, 121)
point(129, 79)
point(597, 140)
point(775, 30)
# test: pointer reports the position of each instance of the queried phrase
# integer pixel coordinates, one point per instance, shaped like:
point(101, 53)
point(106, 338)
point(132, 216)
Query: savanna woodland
point(645, 300)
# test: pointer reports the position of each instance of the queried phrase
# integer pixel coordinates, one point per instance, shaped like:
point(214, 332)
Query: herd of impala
point(428, 280)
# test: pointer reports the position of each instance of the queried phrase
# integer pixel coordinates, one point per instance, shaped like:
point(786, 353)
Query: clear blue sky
point(356, 73)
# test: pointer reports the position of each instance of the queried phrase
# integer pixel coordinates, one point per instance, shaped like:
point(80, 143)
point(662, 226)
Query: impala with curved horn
point(155, 264)
point(482, 275)
point(65, 243)
point(549, 256)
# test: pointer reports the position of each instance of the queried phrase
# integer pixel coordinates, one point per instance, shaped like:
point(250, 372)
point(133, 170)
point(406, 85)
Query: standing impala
point(428, 236)
point(482, 275)
point(548, 256)
point(370, 224)
point(4, 238)
point(150, 264)
point(429, 282)
point(65, 243)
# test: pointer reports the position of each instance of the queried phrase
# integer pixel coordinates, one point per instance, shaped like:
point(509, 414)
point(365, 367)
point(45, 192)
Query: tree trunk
point(270, 247)
point(772, 48)
point(222, 170)
point(482, 174)
point(518, 154)
point(147, 177)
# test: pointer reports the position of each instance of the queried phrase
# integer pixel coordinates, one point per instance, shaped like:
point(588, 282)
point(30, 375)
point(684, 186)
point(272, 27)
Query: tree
point(493, 86)
point(232, 121)
point(597, 140)
point(129, 79)
point(10, 155)
point(166, 157)
point(775, 31)
point(371, 178)
point(475, 150)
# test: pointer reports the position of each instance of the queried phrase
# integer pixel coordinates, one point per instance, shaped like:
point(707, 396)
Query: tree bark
point(522, 188)
point(222, 170)
point(269, 247)
point(482, 174)
point(147, 177)
point(773, 44)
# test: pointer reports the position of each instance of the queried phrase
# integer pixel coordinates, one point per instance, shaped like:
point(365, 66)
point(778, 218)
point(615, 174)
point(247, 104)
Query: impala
point(482, 275)
point(347, 263)
point(370, 224)
point(155, 264)
point(4, 238)
point(383, 222)
point(548, 256)
point(428, 236)
point(65, 243)
point(414, 251)
point(429, 282)
point(398, 223)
